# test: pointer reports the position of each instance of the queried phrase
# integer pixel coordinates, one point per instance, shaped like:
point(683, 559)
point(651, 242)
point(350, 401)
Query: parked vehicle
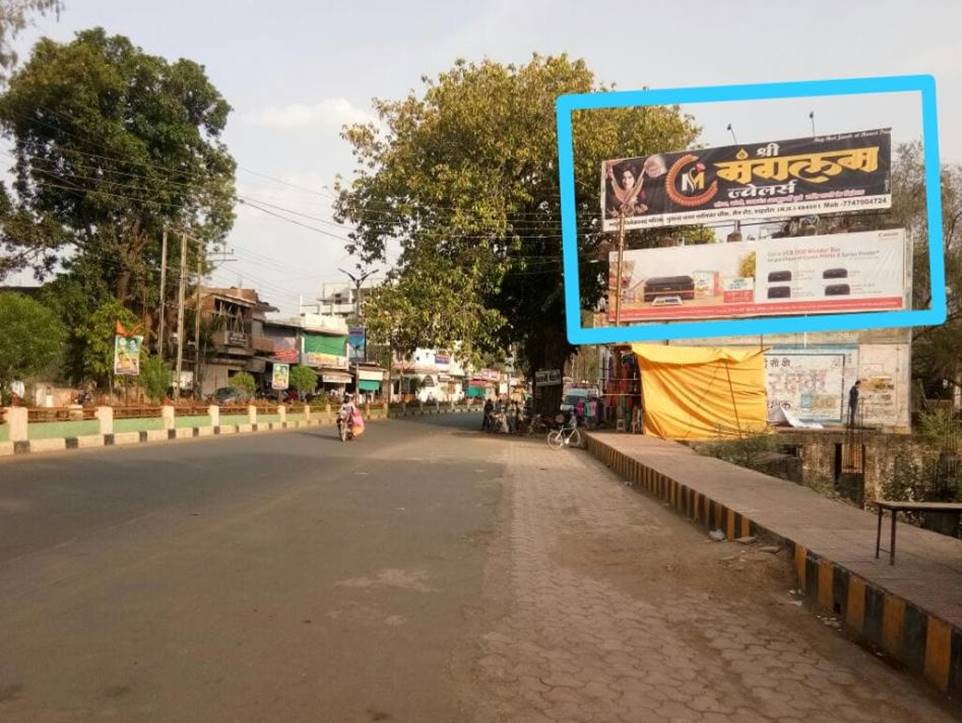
point(564, 437)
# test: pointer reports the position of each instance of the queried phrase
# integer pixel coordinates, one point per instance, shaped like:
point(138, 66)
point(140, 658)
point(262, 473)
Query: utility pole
point(163, 292)
point(200, 269)
point(180, 313)
point(621, 258)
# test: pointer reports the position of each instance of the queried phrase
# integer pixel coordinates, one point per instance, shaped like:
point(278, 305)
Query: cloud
point(328, 113)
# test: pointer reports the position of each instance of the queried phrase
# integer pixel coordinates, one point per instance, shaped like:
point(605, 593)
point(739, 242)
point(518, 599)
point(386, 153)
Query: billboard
point(127, 355)
point(797, 177)
point(864, 271)
point(356, 342)
point(323, 350)
point(280, 376)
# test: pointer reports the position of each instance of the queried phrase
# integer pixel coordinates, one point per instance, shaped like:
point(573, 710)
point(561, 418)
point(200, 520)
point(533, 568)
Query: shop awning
point(374, 375)
point(336, 378)
point(369, 385)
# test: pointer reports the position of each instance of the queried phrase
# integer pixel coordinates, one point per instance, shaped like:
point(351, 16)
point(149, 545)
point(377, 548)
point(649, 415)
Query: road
point(425, 573)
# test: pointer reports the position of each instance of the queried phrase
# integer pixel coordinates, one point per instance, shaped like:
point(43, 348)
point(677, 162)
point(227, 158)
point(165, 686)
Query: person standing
point(486, 421)
point(853, 394)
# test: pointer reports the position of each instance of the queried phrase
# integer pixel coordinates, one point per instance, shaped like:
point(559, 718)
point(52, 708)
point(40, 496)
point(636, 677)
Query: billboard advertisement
point(127, 355)
point(280, 377)
point(322, 350)
point(356, 341)
point(864, 271)
point(797, 177)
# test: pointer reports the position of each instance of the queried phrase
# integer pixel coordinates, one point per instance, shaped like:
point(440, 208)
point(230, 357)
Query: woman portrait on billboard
point(634, 193)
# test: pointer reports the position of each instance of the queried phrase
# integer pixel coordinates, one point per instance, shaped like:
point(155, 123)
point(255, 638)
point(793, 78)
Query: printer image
point(657, 287)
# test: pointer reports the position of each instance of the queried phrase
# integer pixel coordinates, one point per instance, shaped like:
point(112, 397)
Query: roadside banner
point(797, 177)
point(280, 376)
point(127, 355)
point(838, 273)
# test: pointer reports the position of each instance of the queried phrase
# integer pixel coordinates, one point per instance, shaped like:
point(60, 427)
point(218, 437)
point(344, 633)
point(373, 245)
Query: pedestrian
point(853, 402)
point(486, 421)
point(512, 415)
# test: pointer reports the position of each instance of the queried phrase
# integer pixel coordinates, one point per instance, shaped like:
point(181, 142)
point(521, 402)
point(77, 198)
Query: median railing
point(23, 428)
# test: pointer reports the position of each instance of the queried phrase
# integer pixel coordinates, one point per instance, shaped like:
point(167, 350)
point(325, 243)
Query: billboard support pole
point(621, 258)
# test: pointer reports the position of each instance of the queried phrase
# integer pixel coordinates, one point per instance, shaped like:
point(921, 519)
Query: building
point(429, 375)
point(337, 299)
point(233, 341)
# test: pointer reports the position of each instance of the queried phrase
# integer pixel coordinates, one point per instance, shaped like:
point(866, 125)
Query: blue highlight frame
point(935, 314)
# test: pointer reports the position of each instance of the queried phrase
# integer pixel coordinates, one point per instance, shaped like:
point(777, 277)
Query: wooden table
point(896, 507)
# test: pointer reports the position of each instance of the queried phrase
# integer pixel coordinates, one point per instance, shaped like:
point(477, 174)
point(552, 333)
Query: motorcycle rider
point(345, 414)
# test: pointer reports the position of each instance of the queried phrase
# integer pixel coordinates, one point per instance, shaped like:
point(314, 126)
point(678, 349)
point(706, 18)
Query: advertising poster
point(322, 350)
point(863, 271)
point(280, 377)
point(798, 177)
point(811, 384)
point(127, 355)
point(356, 341)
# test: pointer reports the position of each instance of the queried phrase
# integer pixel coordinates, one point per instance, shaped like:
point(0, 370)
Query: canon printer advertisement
point(851, 272)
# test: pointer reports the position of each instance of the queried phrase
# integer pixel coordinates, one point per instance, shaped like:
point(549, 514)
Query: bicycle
point(564, 437)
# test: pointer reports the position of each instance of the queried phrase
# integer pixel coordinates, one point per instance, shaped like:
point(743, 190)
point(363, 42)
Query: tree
point(32, 338)
point(14, 17)
point(112, 145)
point(936, 354)
point(243, 382)
point(156, 377)
point(464, 177)
point(303, 380)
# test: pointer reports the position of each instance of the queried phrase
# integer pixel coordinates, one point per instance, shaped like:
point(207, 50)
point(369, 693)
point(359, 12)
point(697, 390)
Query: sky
point(296, 71)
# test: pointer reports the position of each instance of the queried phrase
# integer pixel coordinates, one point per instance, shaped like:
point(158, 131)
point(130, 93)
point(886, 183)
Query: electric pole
point(163, 292)
point(200, 268)
point(180, 313)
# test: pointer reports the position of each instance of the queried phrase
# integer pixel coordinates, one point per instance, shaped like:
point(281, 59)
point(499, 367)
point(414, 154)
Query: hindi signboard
point(797, 177)
point(280, 377)
point(838, 273)
point(127, 355)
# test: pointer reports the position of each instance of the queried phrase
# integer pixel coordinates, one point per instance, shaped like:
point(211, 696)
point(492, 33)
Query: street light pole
point(358, 281)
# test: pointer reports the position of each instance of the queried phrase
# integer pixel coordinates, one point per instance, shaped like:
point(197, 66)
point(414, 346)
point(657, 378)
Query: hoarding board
point(864, 271)
point(322, 350)
point(127, 355)
point(356, 343)
point(280, 376)
point(796, 177)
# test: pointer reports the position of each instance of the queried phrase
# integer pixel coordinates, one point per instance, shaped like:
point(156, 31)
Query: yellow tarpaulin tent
point(702, 392)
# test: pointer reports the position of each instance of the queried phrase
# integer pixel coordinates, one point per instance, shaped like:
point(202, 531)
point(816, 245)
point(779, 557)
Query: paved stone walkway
point(614, 609)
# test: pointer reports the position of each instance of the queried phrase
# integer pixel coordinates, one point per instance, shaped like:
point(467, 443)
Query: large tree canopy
point(14, 17)
point(112, 145)
point(464, 177)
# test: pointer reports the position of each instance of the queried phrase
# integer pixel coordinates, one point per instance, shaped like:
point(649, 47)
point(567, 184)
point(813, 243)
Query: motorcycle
point(344, 429)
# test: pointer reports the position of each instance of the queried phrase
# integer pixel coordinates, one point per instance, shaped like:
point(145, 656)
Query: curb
point(924, 642)
point(122, 439)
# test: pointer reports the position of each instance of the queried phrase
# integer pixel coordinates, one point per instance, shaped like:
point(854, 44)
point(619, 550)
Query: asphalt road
point(424, 573)
point(282, 576)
